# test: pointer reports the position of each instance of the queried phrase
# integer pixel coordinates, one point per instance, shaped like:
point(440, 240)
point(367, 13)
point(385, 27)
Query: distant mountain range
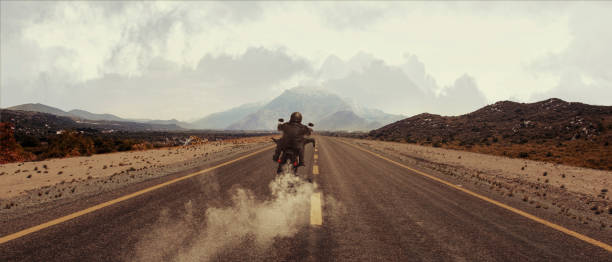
point(41, 124)
point(78, 114)
point(316, 105)
point(222, 120)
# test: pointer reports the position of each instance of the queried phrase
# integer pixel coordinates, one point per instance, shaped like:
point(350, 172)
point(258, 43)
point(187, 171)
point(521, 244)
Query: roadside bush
point(70, 143)
point(11, 151)
point(124, 144)
point(28, 141)
point(142, 146)
point(104, 145)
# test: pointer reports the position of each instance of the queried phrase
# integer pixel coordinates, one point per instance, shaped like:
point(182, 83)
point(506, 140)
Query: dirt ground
point(28, 184)
point(578, 193)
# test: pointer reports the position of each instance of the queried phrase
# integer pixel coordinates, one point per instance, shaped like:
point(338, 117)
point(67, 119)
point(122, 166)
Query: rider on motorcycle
point(293, 137)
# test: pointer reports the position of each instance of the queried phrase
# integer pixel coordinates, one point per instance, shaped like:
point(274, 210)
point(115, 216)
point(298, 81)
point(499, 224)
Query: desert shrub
point(523, 155)
point(70, 143)
point(104, 145)
point(11, 151)
point(142, 146)
point(27, 140)
point(124, 144)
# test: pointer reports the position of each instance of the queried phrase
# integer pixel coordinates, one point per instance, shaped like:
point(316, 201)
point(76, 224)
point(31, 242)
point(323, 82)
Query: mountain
point(91, 116)
point(40, 108)
point(374, 115)
point(346, 120)
point(315, 104)
point(551, 130)
point(221, 120)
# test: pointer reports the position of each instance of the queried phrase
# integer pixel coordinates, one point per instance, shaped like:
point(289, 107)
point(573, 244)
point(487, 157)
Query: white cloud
point(173, 91)
point(582, 69)
point(51, 49)
point(406, 89)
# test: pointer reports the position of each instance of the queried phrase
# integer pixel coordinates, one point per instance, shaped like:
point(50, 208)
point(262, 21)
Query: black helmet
point(296, 117)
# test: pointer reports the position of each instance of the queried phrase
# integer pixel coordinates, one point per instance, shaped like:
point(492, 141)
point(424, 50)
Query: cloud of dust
point(190, 238)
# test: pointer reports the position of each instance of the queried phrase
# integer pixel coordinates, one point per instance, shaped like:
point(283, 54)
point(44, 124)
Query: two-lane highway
point(370, 210)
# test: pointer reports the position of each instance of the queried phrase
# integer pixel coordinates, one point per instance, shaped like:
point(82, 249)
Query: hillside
point(41, 108)
point(551, 130)
point(91, 116)
point(103, 121)
point(36, 123)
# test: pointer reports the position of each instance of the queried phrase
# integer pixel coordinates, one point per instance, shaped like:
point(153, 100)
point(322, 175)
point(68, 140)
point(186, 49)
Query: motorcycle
point(288, 160)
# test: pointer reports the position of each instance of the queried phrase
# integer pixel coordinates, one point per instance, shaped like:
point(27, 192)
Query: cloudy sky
point(167, 60)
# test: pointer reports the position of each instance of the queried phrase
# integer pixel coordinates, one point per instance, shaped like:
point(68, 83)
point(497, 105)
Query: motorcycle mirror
point(310, 124)
point(281, 120)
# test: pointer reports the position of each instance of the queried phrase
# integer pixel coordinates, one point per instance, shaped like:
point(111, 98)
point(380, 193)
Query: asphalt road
point(371, 210)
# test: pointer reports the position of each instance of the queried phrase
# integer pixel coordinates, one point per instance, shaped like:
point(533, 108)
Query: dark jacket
point(293, 134)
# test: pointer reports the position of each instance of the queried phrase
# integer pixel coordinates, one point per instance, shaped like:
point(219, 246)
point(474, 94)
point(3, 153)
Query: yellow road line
point(316, 218)
point(316, 156)
point(497, 203)
point(315, 170)
point(56, 221)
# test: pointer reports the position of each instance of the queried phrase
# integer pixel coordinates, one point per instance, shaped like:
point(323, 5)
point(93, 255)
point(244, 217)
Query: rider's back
point(293, 133)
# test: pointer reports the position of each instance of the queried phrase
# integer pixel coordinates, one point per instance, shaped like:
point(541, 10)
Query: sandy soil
point(579, 193)
point(27, 184)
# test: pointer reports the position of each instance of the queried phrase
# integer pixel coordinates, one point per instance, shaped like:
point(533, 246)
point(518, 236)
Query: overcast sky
point(167, 60)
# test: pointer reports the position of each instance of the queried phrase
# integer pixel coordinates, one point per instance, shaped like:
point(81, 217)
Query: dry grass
point(575, 153)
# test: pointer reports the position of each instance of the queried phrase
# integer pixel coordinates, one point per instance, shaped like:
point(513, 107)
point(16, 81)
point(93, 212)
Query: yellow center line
point(497, 203)
point(315, 170)
point(316, 156)
point(316, 218)
point(56, 221)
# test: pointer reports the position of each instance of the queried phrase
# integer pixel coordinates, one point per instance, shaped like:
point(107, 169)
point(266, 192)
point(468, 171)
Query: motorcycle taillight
point(295, 163)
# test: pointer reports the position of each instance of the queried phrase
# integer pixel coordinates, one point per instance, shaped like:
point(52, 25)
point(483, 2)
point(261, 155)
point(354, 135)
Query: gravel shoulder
point(31, 186)
point(578, 194)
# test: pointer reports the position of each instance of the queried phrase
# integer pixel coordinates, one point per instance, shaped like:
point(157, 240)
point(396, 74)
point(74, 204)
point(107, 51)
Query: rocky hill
point(552, 130)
